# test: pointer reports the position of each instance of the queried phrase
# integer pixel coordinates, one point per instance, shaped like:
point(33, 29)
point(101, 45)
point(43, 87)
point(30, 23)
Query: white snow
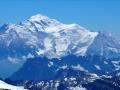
point(47, 44)
point(56, 44)
point(104, 45)
point(97, 67)
point(78, 67)
point(105, 62)
point(56, 84)
point(8, 43)
point(116, 64)
point(118, 74)
point(94, 75)
point(114, 49)
point(13, 60)
point(50, 64)
point(72, 79)
point(63, 67)
point(59, 39)
point(30, 55)
point(40, 52)
point(48, 37)
point(4, 85)
point(38, 17)
point(77, 88)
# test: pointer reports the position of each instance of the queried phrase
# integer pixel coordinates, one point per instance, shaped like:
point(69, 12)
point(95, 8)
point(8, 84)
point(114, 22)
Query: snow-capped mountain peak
point(42, 36)
point(54, 39)
point(40, 23)
point(38, 17)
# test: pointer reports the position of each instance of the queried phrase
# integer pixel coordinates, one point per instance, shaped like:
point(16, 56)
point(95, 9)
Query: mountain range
point(41, 48)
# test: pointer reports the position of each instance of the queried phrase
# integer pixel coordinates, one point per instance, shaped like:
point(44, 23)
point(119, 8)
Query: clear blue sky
point(92, 14)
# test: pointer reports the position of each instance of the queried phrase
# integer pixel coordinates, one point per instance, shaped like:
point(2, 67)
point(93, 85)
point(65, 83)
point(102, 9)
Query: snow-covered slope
point(42, 36)
point(5, 86)
point(105, 44)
